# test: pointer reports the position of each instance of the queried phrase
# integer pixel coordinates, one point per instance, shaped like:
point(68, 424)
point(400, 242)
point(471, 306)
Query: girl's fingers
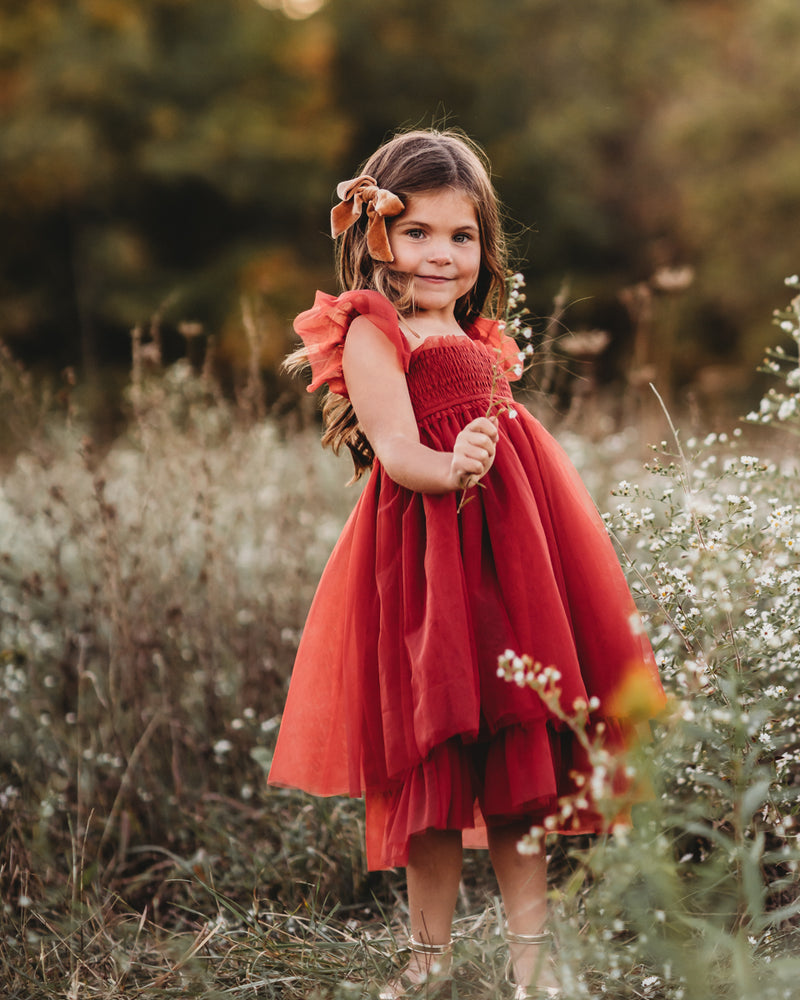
point(479, 438)
point(474, 451)
point(483, 452)
point(473, 461)
point(474, 458)
point(478, 449)
point(484, 425)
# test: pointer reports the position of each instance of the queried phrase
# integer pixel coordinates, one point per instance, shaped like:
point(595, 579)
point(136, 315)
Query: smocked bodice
point(452, 372)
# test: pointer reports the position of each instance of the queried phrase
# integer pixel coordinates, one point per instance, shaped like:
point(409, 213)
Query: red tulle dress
point(395, 693)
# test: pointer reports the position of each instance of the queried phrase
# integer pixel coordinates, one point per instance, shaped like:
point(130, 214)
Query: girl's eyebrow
point(414, 223)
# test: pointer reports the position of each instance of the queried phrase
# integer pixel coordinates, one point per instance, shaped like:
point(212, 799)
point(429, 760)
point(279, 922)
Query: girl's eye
point(415, 234)
point(462, 237)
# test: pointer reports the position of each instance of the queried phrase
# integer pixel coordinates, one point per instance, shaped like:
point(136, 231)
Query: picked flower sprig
point(516, 324)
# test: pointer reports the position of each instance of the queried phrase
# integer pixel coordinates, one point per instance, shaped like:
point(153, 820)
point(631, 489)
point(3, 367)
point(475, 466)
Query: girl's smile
point(437, 241)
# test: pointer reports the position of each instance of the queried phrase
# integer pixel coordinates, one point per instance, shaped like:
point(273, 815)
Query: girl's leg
point(522, 879)
point(433, 876)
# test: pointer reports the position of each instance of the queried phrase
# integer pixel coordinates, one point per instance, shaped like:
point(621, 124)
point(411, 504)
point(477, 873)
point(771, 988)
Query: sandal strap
point(538, 993)
point(545, 937)
point(424, 948)
point(430, 971)
point(542, 940)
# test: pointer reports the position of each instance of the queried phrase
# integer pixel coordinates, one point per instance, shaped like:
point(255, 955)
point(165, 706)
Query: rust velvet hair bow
point(357, 193)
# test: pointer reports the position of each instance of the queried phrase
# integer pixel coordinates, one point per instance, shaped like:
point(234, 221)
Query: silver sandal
point(533, 992)
point(433, 971)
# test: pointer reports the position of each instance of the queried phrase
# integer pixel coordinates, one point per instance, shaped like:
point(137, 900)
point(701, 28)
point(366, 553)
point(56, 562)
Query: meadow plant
point(699, 897)
point(151, 597)
point(779, 407)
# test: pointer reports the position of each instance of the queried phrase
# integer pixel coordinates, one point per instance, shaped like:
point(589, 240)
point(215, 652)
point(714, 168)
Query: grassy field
point(151, 597)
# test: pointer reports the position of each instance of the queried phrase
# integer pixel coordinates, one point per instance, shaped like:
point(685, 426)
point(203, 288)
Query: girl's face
point(436, 240)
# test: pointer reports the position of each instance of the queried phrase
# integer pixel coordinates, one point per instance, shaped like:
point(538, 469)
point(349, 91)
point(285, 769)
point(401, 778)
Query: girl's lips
point(435, 278)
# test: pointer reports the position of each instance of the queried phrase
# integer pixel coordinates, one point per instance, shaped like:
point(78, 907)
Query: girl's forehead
point(446, 201)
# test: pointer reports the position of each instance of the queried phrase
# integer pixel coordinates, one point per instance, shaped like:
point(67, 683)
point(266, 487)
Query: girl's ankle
point(530, 964)
point(428, 964)
point(428, 961)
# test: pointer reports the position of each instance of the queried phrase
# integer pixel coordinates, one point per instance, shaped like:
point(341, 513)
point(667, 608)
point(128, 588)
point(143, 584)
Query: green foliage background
point(184, 153)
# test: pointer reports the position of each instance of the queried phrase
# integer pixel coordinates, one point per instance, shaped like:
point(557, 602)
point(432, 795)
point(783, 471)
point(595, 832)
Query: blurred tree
point(627, 136)
point(728, 140)
point(149, 147)
point(156, 148)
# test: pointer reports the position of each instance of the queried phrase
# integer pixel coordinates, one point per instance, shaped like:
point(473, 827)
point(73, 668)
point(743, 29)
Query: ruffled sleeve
point(504, 349)
point(323, 329)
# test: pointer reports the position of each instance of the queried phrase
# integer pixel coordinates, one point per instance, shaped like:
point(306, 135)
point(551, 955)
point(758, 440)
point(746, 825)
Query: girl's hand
point(473, 452)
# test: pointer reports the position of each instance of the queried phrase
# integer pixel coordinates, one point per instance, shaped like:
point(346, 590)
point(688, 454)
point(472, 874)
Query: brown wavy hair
point(411, 163)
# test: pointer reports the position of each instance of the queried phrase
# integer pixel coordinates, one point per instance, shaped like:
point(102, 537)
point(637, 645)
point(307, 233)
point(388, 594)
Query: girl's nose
point(440, 255)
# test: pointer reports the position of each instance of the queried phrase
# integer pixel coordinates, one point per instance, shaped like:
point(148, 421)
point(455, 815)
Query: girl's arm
point(377, 388)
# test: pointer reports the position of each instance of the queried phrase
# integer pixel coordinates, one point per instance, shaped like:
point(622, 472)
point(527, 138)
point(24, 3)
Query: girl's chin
point(431, 304)
point(439, 294)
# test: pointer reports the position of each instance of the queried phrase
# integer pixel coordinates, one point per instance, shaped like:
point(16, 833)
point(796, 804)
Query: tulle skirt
point(395, 693)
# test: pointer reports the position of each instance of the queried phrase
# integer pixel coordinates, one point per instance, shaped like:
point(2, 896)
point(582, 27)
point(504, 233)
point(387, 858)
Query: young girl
point(395, 693)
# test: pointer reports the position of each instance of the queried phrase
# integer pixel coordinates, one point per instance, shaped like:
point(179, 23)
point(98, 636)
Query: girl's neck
point(420, 326)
